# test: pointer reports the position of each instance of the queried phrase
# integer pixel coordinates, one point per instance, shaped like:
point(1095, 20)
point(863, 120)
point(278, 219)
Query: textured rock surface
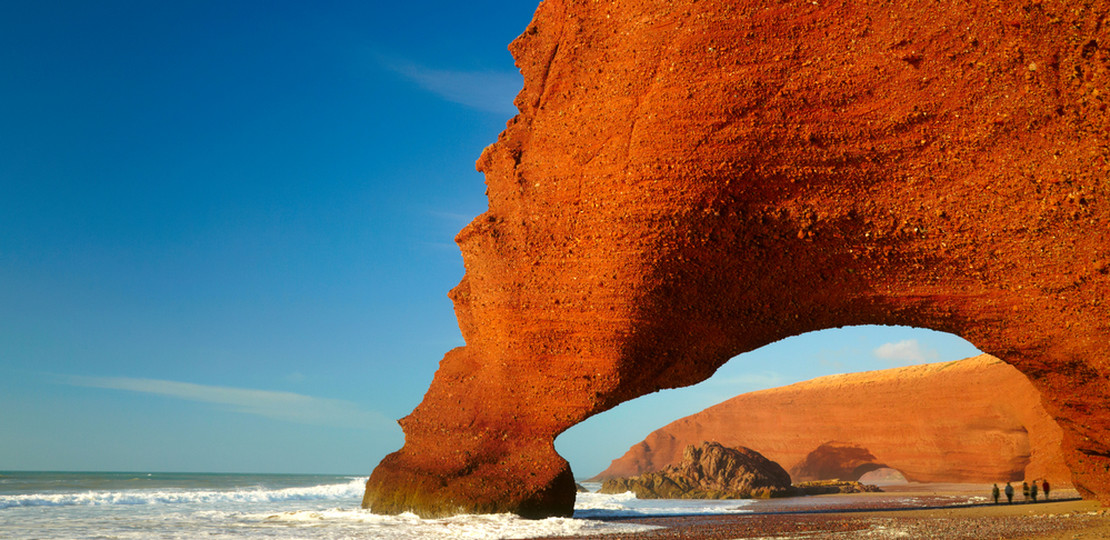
point(690, 180)
point(974, 420)
point(836, 460)
point(824, 487)
point(709, 471)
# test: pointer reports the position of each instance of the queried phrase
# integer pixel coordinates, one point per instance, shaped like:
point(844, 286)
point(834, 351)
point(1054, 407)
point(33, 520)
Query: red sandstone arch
point(687, 181)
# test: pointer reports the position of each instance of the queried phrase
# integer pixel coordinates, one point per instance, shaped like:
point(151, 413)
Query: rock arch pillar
point(688, 182)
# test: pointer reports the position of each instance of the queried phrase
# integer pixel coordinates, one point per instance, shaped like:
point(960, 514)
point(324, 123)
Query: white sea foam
point(349, 490)
point(179, 507)
point(599, 505)
point(411, 527)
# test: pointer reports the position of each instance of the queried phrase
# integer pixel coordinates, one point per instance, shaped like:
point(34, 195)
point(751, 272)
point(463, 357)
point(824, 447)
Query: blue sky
point(226, 234)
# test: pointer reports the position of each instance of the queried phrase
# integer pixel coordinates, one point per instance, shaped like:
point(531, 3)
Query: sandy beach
point(912, 511)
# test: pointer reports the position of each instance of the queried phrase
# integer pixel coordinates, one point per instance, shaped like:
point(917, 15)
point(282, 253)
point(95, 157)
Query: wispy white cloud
point(454, 217)
point(907, 351)
point(287, 406)
point(490, 91)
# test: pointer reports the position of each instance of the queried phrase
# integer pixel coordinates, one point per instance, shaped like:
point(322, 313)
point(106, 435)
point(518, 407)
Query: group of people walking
point(1028, 491)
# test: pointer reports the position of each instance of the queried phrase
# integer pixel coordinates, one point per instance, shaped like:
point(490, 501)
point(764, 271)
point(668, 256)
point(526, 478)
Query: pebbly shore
point(950, 512)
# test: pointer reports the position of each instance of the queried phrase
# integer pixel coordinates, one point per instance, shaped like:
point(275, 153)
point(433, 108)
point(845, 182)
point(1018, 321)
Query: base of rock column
point(526, 484)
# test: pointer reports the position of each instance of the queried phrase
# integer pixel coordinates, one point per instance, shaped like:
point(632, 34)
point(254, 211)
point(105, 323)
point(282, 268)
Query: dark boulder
point(709, 471)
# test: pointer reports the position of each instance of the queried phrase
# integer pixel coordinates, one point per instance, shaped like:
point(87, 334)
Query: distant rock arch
point(836, 461)
point(688, 181)
point(976, 420)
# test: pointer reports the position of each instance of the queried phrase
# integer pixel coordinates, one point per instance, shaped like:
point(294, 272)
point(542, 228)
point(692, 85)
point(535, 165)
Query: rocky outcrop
point(690, 180)
point(826, 487)
point(977, 420)
point(709, 471)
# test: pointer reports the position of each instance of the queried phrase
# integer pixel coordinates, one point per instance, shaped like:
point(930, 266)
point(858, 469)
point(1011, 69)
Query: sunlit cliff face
point(688, 182)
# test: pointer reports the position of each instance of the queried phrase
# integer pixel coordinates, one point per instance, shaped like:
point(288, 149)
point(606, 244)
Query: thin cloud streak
point(286, 406)
point(489, 91)
point(907, 351)
point(457, 217)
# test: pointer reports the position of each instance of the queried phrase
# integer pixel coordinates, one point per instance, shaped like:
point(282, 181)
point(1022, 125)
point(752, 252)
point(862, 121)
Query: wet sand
point(911, 511)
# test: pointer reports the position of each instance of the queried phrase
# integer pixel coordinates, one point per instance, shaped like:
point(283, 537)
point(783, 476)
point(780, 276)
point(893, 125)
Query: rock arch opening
point(884, 477)
point(591, 444)
point(973, 420)
point(836, 460)
point(685, 185)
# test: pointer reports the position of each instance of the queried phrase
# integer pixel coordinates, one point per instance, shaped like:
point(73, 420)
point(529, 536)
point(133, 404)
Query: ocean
point(96, 505)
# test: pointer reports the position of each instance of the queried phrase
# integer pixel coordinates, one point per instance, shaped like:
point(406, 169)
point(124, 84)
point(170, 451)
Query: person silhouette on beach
point(1033, 491)
point(1044, 487)
point(1025, 492)
point(1009, 493)
point(994, 493)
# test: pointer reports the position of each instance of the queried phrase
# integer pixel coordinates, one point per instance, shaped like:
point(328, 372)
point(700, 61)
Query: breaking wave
point(352, 489)
point(598, 505)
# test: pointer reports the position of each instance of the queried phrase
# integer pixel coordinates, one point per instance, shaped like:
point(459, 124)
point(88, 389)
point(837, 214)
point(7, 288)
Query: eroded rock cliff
point(689, 180)
point(708, 471)
point(976, 420)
